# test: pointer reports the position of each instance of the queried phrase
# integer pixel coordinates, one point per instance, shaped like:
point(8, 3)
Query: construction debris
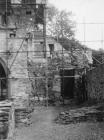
point(81, 115)
point(4, 119)
point(22, 117)
point(3, 125)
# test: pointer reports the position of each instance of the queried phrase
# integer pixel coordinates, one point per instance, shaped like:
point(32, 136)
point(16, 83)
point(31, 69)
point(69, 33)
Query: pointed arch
point(4, 66)
point(4, 81)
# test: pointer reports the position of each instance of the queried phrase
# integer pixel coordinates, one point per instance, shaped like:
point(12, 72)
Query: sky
point(86, 11)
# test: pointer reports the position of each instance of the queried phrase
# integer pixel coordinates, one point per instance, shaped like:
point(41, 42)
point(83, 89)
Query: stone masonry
point(95, 83)
point(15, 25)
point(17, 70)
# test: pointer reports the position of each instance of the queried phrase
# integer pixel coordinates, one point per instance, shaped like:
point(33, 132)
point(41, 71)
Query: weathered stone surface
point(16, 62)
point(95, 83)
point(22, 117)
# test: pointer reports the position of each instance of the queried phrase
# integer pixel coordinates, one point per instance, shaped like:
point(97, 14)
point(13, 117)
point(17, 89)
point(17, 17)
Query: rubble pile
point(22, 117)
point(80, 115)
point(4, 117)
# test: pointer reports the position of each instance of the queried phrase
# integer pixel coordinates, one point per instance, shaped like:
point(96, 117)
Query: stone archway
point(3, 80)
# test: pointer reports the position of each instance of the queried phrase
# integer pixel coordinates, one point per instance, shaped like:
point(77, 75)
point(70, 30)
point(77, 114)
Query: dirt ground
point(44, 128)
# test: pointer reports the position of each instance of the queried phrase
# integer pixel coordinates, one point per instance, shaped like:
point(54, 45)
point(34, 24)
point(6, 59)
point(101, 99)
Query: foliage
point(61, 27)
point(59, 23)
point(71, 44)
point(37, 78)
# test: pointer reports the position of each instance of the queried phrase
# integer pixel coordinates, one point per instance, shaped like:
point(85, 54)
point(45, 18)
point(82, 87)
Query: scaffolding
point(35, 12)
point(28, 64)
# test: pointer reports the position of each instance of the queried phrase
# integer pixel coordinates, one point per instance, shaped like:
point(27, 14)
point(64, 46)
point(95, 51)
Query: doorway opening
point(67, 83)
point(3, 81)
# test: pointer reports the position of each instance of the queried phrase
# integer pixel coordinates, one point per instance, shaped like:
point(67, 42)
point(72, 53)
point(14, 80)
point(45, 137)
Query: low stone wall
point(95, 83)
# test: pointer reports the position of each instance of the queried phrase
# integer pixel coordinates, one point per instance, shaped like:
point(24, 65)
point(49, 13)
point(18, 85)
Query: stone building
point(22, 42)
point(16, 22)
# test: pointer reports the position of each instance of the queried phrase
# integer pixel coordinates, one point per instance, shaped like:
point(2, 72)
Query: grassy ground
point(43, 128)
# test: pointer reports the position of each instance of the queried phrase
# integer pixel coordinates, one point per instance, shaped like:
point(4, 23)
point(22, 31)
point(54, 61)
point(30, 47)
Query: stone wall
point(95, 83)
point(16, 62)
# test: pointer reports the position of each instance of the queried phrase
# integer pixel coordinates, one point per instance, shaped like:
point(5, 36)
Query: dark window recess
point(41, 43)
point(42, 47)
point(8, 54)
point(12, 35)
point(4, 19)
point(28, 12)
point(51, 47)
point(5, 6)
point(3, 84)
point(29, 1)
point(39, 14)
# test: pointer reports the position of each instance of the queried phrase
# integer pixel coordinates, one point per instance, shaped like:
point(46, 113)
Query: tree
point(59, 23)
point(72, 43)
point(61, 26)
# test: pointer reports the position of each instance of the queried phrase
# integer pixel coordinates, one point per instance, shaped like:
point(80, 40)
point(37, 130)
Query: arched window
point(3, 81)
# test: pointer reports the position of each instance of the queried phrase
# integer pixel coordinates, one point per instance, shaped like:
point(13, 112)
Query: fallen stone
point(80, 115)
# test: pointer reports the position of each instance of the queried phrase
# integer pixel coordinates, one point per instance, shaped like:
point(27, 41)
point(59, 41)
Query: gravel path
point(43, 128)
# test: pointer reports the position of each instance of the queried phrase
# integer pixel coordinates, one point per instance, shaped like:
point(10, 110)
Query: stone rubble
point(22, 117)
point(4, 117)
point(80, 115)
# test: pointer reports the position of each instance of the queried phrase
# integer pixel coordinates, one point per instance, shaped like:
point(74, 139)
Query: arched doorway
point(3, 81)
